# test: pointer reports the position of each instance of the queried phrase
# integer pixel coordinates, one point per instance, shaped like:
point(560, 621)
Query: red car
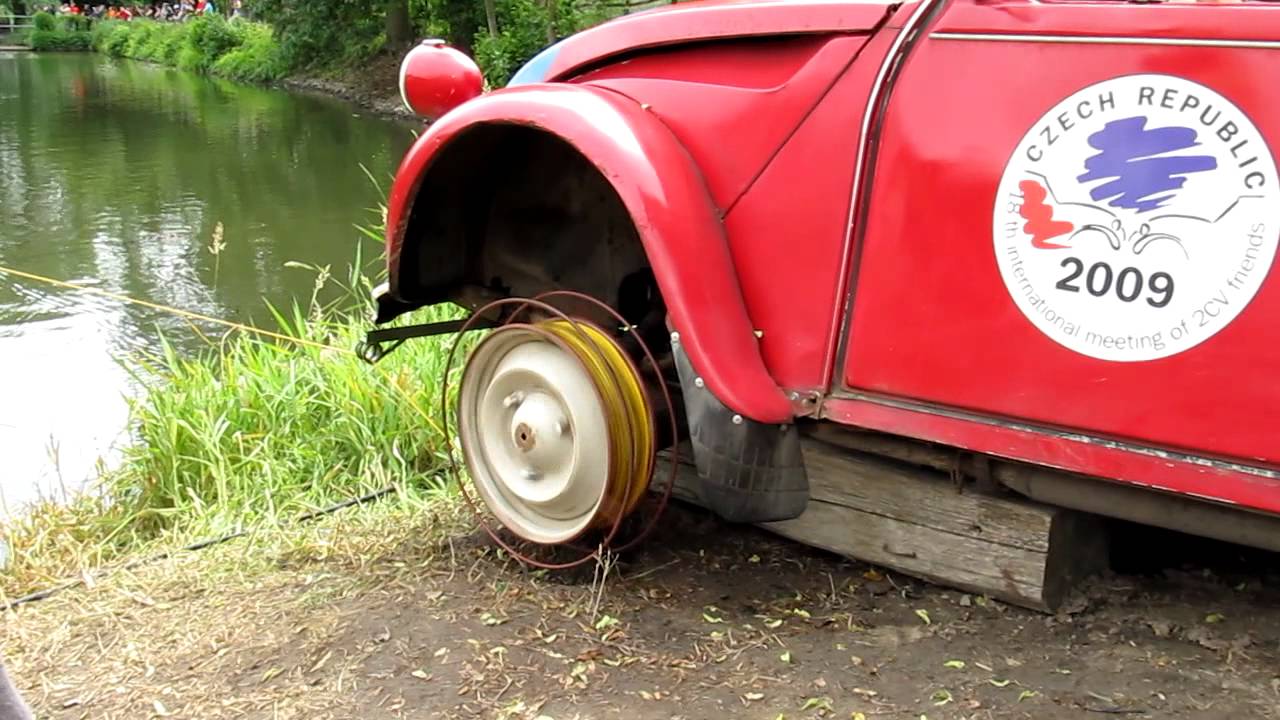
point(1038, 232)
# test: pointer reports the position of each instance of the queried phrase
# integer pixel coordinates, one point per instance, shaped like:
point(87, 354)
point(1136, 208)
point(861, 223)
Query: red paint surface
point(1171, 475)
point(752, 144)
point(711, 20)
point(939, 179)
point(668, 201)
point(773, 144)
point(932, 319)
point(746, 111)
point(1104, 18)
point(435, 79)
point(787, 232)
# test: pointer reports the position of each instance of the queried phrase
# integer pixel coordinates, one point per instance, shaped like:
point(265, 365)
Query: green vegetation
point(257, 58)
point(65, 32)
point(526, 27)
point(249, 436)
point(323, 35)
point(58, 40)
point(501, 34)
point(235, 49)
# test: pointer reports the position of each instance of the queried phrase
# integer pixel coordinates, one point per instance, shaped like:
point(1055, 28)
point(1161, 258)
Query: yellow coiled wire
point(628, 414)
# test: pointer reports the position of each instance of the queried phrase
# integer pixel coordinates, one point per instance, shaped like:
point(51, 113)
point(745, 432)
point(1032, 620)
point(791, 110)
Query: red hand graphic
point(1039, 216)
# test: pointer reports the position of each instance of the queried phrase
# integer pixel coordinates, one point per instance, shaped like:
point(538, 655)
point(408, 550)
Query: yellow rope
point(171, 310)
point(219, 321)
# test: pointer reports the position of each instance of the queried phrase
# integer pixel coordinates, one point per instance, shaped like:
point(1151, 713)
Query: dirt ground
point(374, 617)
point(374, 86)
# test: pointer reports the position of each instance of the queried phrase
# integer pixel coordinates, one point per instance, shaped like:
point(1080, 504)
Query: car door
point(1073, 217)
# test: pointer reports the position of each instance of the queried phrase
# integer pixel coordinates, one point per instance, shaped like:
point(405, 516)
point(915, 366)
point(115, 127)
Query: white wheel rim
point(534, 434)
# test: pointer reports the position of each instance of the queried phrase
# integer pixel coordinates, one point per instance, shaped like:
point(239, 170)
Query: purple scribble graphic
point(1136, 161)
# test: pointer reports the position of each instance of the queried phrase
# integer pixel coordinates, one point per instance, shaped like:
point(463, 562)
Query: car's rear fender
point(654, 178)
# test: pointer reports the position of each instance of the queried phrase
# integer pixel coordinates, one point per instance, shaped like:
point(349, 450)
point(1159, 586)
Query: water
point(114, 174)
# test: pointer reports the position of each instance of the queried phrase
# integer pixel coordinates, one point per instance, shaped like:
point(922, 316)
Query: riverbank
point(237, 50)
point(246, 437)
point(307, 48)
point(234, 49)
point(374, 86)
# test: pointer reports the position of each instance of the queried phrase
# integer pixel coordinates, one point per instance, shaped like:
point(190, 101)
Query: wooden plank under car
point(917, 521)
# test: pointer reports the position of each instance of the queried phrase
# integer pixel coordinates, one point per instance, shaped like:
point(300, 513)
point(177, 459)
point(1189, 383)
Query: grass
point(248, 436)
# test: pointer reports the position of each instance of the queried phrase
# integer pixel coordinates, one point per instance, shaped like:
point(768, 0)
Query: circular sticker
point(1137, 218)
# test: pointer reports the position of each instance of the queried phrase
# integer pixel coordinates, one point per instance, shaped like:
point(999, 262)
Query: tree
point(457, 21)
point(491, 15)
point(399, 29)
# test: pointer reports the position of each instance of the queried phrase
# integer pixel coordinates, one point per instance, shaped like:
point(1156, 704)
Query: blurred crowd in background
point(177, 11)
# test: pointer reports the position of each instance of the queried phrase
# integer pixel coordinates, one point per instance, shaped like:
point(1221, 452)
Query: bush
point(149, 44)
point(523, 33)
point(168, 41)
point(45, 22)
point(210, 38)
point(258, 58)
point(100, 31)
point(138, 37)
point(117, 41)
point(238, 49)
point(59, 40)
point(189, 58)
point(75, 23)
point(325, 34)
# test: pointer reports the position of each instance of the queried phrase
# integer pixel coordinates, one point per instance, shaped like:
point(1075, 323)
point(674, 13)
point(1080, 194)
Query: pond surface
point(116, 174)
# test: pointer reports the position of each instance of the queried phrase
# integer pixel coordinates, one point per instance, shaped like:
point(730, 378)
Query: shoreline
point(374, 85)
point(350, 90)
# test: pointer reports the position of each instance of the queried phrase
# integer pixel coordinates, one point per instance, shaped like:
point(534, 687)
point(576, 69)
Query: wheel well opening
point(511, 210)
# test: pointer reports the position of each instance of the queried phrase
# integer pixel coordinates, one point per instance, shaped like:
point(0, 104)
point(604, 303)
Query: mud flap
point(748, 472)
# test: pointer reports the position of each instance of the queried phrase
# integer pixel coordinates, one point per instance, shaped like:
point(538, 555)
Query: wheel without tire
point(556, 429)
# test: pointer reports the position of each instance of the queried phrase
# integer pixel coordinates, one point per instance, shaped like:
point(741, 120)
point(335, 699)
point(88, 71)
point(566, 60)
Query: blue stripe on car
point(536, 69)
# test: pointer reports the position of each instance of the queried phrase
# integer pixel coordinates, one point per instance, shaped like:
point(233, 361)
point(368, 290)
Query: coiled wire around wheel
point(558, 430)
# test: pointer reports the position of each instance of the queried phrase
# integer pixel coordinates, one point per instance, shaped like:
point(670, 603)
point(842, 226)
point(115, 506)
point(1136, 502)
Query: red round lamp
point(435, 78)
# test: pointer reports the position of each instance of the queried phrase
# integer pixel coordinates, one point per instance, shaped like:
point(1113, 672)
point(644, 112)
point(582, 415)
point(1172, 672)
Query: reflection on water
point(114, 174)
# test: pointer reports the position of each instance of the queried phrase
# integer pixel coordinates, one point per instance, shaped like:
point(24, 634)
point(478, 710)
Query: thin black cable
point(202, 544)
